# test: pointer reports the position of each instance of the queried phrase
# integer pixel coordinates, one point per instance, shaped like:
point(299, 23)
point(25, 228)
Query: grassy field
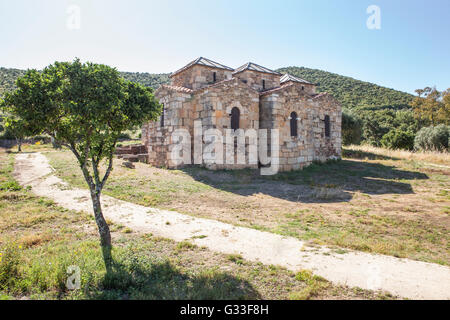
point(374, 200)
point(39, 240)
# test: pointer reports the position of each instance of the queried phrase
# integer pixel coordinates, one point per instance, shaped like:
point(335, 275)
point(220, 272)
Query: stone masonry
point(206, 92)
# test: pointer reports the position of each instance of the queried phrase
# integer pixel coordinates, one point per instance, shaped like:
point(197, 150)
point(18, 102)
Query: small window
point(214, 77)
point(264, 84)
point(162, 116)
point(327, 126)
point(235, 115)
point(303, 87)
point(293, 122)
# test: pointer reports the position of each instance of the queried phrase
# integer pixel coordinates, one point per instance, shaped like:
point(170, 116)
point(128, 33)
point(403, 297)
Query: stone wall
point(213, 107)
point(254, 79)
point(210, 104)
point(308, 88)
point(178, 114)
point(310, 144)
point(199, 76)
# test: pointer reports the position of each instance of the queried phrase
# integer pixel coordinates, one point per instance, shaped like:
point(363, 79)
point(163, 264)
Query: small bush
point(10, 260)
point(10, 186)
point(433, 138)
point(124, 136)
point(236, 258)
point(351, 128)
point(398, 139)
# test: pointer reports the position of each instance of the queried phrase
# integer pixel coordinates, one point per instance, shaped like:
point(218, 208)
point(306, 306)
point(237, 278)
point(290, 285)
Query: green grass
point(367, 201)
point(40, 240)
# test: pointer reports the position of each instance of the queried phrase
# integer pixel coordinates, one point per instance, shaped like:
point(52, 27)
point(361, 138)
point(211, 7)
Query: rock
point(128, 165)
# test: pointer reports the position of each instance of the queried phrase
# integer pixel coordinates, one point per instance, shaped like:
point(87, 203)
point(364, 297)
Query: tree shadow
point(333, 181)
point(141, 279)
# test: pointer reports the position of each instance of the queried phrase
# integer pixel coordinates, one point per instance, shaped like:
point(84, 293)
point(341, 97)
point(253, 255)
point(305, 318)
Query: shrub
point(398, 139)
point(10, 259)
point(10, 186)
point(124, 136)
point(351, 128)
point(434, 138)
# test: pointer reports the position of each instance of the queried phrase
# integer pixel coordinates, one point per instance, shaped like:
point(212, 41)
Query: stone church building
point(249, 97)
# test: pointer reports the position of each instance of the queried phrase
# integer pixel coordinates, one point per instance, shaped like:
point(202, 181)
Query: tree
point(351, 128)
point(432, 106)
point(84, 107)
point(18, 129)
point(434, 138)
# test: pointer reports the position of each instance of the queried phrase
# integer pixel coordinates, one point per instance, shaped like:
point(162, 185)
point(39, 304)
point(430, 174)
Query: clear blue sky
point(411, 50)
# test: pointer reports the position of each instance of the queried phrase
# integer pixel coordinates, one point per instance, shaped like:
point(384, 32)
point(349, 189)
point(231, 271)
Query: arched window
point(327, 126)
point(162, 116)
point(235, 115)
point(293, 121)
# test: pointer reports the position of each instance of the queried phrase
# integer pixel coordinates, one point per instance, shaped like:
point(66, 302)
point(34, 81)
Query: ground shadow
point(333, 181)
point(138, 279)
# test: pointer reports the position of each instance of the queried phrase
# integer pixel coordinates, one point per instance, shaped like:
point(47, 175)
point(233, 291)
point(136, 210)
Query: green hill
point(8, 78)
point(350, 92)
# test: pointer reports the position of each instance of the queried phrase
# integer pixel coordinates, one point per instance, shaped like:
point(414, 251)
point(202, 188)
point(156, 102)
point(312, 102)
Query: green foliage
point(389, 128)
point(146, 79)
point(8, 78)
point(10, 258)
point(351, 128)
point(398, 139)
point(435, 138)
point(85, 107)
point(10, 185)
point(352, 93)
point(432, 106)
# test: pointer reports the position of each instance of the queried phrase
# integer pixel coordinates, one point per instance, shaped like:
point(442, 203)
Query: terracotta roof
point(203, 62)
point(255, 67)
point(177, 88)
point(287, 77)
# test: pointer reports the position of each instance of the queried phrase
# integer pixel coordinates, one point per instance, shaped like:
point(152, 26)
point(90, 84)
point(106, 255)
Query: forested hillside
point(9, 76)
point(350, 92)
point(147, 79)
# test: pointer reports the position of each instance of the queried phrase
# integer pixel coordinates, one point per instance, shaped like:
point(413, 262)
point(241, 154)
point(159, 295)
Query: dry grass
point(368, 201)
point(435, 157)
point(38, 240)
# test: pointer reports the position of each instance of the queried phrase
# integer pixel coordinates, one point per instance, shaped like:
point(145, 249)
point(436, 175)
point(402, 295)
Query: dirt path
point(402, 277)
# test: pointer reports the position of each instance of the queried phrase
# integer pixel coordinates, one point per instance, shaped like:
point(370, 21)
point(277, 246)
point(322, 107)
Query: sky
point(406, 46)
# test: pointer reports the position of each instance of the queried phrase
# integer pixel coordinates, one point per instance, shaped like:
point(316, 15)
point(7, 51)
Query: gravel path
point(402, 277)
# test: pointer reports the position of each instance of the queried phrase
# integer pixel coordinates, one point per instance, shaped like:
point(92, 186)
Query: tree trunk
point(103, 229)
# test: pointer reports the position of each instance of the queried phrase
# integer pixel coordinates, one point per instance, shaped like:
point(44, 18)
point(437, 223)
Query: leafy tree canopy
point(85, 107)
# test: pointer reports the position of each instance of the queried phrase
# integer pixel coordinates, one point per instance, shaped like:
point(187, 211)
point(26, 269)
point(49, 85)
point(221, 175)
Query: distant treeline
point(9, 76)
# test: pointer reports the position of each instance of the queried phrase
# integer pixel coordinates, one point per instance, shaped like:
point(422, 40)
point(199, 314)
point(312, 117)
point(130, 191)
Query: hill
point(9, 76)
point(350, 92)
